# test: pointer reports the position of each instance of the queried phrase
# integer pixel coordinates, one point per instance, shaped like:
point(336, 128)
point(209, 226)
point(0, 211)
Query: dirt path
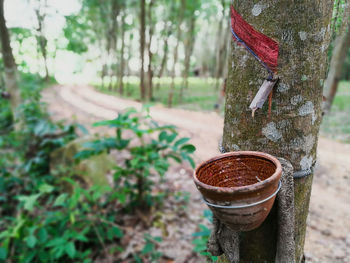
point(328, 235)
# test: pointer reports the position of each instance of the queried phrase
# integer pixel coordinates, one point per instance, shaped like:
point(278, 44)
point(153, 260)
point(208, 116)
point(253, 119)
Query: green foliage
point(149, 250)
point(202, 237)
point(76, 32)
point(64, 227)
point(38, 137)
point(150, 148)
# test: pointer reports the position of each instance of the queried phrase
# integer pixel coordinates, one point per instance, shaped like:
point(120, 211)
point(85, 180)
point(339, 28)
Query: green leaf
point(137, 258)
point(42, 235)
point(171, 137)
point(60, 200)
point(3, 253)
point(176, 158)
point(201, 234)
point(31, 241)
point(70, 249)
point(149, 247)
point(46, 188)
point(190, 160)
point(200, 248)
point(29, 201)
point(117, 232)
point(189, 148)
point(82, 129)
point(199, 241)
point(56, 242)
point(162, 136)
point(181, 141)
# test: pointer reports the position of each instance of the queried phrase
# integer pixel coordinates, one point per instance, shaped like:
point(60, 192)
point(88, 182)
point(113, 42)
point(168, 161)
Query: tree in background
point(40, 13)
point(302, 30)
point(339, 55)
point(142, 48)
point(190, 20)
point(151, 23)
point(221, 44)
point(11, 74)
point(182, 8)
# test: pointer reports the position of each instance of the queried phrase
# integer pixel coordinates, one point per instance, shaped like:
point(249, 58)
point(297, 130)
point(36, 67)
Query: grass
point(336, 124)
point(202, 96)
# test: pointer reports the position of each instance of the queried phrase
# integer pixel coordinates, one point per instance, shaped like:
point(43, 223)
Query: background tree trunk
point(178, 36)
point(189, 45)
point(122, 61)
point(142, 50)
point(150, 55)
point(165, 55)
point(342, 44)
point(41, 39)
point(11, 74)
point(302, 30)
point(220, 45)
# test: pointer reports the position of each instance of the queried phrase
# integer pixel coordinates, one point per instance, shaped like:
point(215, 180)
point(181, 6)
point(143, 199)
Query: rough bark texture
point(142, 49)
point(342, 44)
point(302, 30)
point(11, 74)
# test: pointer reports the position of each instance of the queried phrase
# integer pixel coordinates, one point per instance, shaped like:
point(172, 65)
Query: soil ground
point(328, 233)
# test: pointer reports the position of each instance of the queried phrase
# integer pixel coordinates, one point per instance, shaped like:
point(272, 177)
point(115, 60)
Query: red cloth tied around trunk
point(264, 47)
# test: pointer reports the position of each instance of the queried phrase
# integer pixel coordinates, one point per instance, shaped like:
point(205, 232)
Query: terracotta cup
point(239, 187)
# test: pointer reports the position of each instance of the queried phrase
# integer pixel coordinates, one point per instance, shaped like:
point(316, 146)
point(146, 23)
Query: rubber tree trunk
point(142, 50)
point(178, 36)
point(302, 29)
point(339, 54)
point(11, 74)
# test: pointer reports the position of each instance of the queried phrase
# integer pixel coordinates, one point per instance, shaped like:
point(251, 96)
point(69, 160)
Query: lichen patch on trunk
point(271, 132)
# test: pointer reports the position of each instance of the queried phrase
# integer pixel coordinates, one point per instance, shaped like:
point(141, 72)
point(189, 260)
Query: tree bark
point(112, 9)
point(178, 36)
point(220, 46)
point(165, 55)
point(41, 39)
point(150, 55)
point(122, 61)
point(339, 54)
point(142, 50)
point(302, 29)
point(189, 45)
point(11, 74)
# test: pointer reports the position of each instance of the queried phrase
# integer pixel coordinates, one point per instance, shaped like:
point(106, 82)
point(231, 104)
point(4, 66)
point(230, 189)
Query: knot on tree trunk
point(225, 241)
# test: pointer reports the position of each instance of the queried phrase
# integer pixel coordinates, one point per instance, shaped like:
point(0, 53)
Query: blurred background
point(83, 61)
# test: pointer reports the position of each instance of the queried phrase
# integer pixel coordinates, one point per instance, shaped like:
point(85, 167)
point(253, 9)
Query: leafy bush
point(64, 227)
point(49, 219)
point(150, 148)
